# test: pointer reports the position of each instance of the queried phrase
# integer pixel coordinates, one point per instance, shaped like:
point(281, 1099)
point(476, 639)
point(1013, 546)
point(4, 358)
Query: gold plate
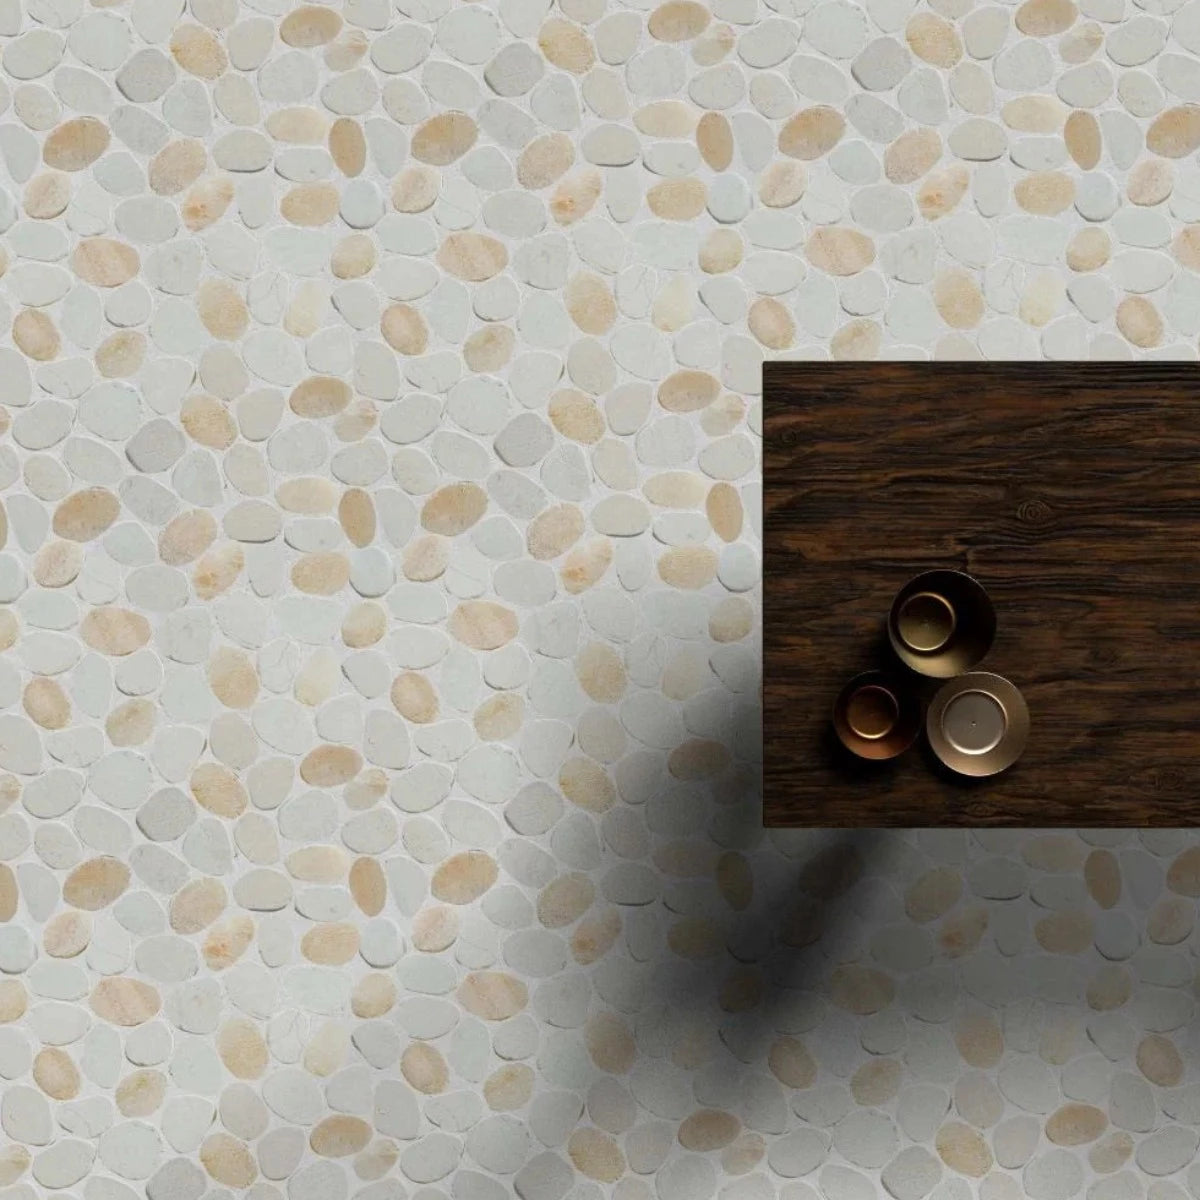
point(978, 724)
point(876, 716)
point(941, 623)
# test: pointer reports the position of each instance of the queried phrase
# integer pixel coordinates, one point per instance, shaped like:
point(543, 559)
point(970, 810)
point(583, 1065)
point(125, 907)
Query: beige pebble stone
point(688, 567)
point(425, 1068)
point(121, 354)
point(666, 119)
point(1160, 1061)
point(1082, 136)
point(414, 697)
point(319, 396)
point(735, 880)
point(856, 341)
point(1034, 114)
point(225, 942)
point(310, 25)
point(1081, 42)
point(1109, 988)
point(1183, 875)
point(323, 573)
point(771, 323)
point(791, 1063)
point(677, 199)
point(415, 189)
point(554, 531)
point(185, 537)
point(353, 257)
point(46, 195)
point(404, 329)
point(310, 204)
point(425, 558)
point(1047, 193)
point(301, 125)
point(1139, 322)
point(566, 46)
point(35, 335)
point(331, 945)
point(713, 45)
point(1111, 1152)
point(979, 1040)
point(594, 1153)
point(1170, 921)
point(197, 905)
point(483, 624)
point(327, 1049)
point(490, 349)
point(216, 788)
point(206, 202)
point(941, 191)
point(586, 784)
point(1150, 182)
point(474, 257)
point(933, 894)
point(1091, 248)
point(356, 515)
point(812, 132)
point(594, 936)
point(114, 631)
point(444, 139)
point(232, 677)
point(698, 758)
point(76, 144)
point(545, 160)
point(435, 928)
point(725, 513)
point(14, 1162)
point(565, 899)
point(839, 251)
point(492, 995)
point(590, 303)
point(1066, 932)
point(55, 1072)
point(453, 509)
point(610, 1043)
point(731, 619)
point(177, 166)
point(9, 893)
point(714, 140)
point(1075, 1124)
point(678, 21)
point(586, 565)
point(373, 996)
point(1044, 18)
point(576, 416)
point(601, 673)
point(228, 1161)
point(1176, 132)
point(676, 489)
point(46, 703)
point(688, 391)
point(912, 155)
point(876, 1082)
point(499, 717)
point(368, 885)
point(509, 1087)
point(364, 625)
point(330, 766)
point(1102, 874)
point(122, 1000)
point(242, 1048)
point(464, 877)
point(14, 1000)
point(198, 51)
point(96, 883)
point(66, 934)
point(318, 864)
point(963, 1149)
point(347, 148)
point(694, 938)
point(141, 1093)
point(708, 1129)
point(933, 39)
point(782, 183)
point(576, 195)
point(207, 421)
point(860, 990)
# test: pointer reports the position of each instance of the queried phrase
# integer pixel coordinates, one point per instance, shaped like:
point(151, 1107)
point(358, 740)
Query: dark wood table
point(1071, 491)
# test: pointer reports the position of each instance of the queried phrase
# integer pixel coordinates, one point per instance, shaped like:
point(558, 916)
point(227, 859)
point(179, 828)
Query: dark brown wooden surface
point(1072, 492)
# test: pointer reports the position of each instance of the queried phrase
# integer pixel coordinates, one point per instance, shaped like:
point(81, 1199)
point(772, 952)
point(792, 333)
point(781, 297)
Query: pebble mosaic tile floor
point(379, 600)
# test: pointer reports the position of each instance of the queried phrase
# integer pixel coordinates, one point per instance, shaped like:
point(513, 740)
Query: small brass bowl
point(978, 724)
point(875, 717)
point(941, 624)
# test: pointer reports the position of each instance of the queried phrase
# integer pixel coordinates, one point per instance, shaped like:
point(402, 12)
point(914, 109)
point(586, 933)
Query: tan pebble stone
point(34, 334)
point(509, 1087)
point(319, 396)
point(840, 251)
point(1159, 1061)
point(364, 625)
point(688, 567)
point(735, 880)
point(688, 391)
point(310, 25)
point(300, 126)
point(694, 938)
point(75, 145)
point(575, 196)
point(14, 1162)
point(483, 624)
point(564, 900)
point(472, 256)
point(415, 189)
point(933, 895)
point(55, 1072)
point(318, 864)
point(1082, 135)
point(610, 1043)
point(177, 166)
point(782, 183)
point(596, 1155)
point(327, 1049)
point(554, 531)
point(1067, 932)
point(198, 51)
point(934, 40)
point(724, 509)
point(330, 766)
point(414, 697)
point(791, 1063)
point(708, 1129)
point(310, 495)
point(373, 996)
point(330, 945)
point(678, 21)
point(1139, 322)
point(601, 673)
point(491, 348)
point(232, 677)
point(876, 1082)
point(105, 262)
point(860, 990)
point(676, 489)
point(114, 631)
point(942, 191)
point(141, 1093)
point(500, 717)
point(912, 155)
point(1183, 875)
point(979, 1040)
point(356, 515)
point(95, 884)
point(545, 160)
point(186, 537)
point(1034, 114)
point(1102, 874)
point(1111, 1153)
point(13, 1000)
point(310, 204)
point(714, 139)
point(226, 942)
point(856, 341)
point(492, 995)
point(812, 132)
point(585, 783)
point(1109, 988)
point(9, 893)
point(353, 257)
point(46, 703)
point(444, 139)
point(348, 149)
point(1045, 192)
point(426, 558)
point(464, 877)
point(121, 354)
point(435, 928)
point(677, 199)
point(731, 619)
point(963, 1149)
point(368, 886)
point(698, 758)
point(1090, 248)
point(1186, 247)
point(242, 1048)
point(47, 195)
point(404, 329)
point(66, 934)
point(714, 45)
point(576, 416)
point(121, 1000)
point(1044, 18)
point(771, 323)
point(1075, 1125)
point(207, 202)
point(744, 1153)
point(1150, 182)
point(197, 905)
point(425, 1068)
point(453, 509)
point(1078, 44)
point(207, 421)
point(593, 937)
point(321, 574)
point(566, 45)
point(228, 1160)
point(666, 119)
point(590, 303)
point(1170, 921)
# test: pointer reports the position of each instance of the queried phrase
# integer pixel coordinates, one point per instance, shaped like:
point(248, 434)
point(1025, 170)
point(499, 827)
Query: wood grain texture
point(1072, 492)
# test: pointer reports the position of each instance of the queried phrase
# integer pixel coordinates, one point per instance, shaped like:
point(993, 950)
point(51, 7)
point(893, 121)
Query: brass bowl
point(941, 623)
point(978, 724)
point(876, 717)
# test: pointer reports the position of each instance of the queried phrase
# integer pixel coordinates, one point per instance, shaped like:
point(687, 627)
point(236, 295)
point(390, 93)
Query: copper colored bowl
point(941, 623)
point(978, 724)
point(876, 717)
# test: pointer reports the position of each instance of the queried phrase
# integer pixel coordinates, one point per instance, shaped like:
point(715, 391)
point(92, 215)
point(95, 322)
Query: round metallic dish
point(978, 724)
point(876, 717)
point(941, 623)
